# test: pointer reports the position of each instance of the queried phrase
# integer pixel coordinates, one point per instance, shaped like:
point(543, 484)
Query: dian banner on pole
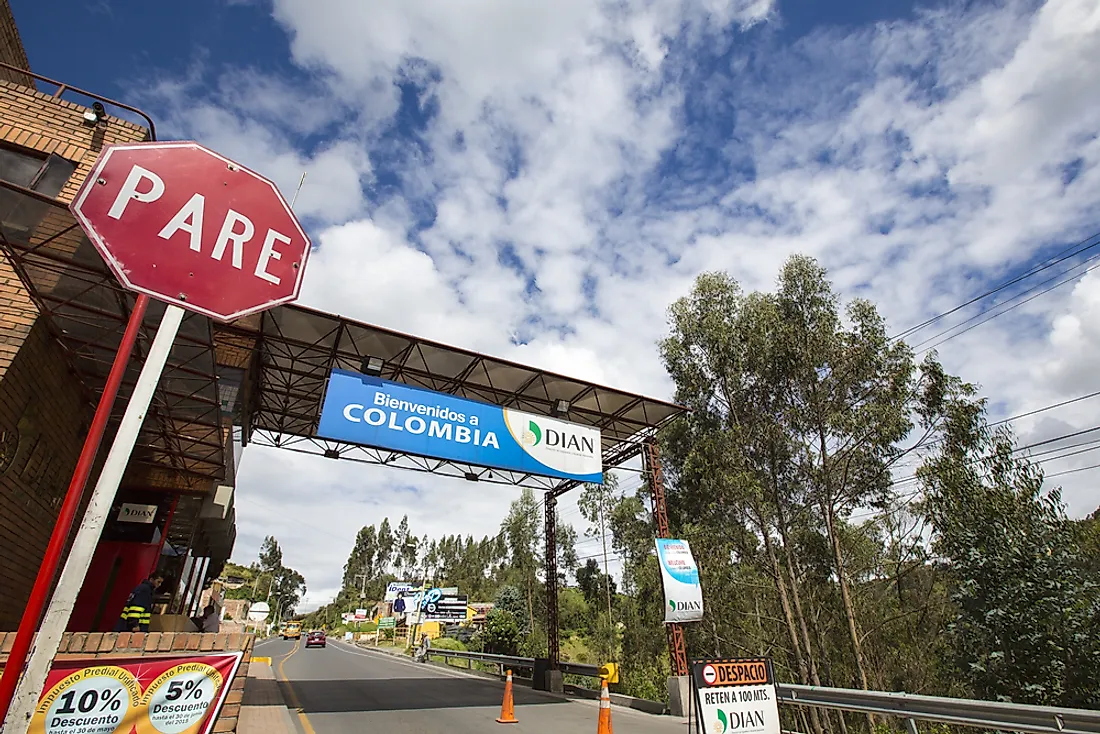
point(153, 695)
point(680, 579)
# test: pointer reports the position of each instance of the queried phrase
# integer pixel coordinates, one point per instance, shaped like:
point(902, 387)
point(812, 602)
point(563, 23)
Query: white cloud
point(582, 162)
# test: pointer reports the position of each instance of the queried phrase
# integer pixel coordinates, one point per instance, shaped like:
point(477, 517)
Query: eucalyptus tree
point(800, 409)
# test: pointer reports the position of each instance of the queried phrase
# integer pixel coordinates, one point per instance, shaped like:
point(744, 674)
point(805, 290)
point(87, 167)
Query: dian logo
point(533, 435)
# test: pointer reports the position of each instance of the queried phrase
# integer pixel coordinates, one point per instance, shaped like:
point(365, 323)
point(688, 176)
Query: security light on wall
point(561, 408)
point(372, 366)
point(95, 115)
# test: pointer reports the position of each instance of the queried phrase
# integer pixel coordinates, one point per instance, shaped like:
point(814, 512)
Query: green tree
point(509, 599)
point(360, 566)
point(1027, 626)
point(566, 545)
point(502, 633)
point(800, 407)
point(271, 561)
point(286, 593)
point(595, 505)
point(522, 527)
point(271, 555)
point(385, 542)
point(594, 583)
point(400, 547)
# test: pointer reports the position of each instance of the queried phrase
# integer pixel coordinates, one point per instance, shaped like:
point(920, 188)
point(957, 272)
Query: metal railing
point(958, 711)
point(996, 715)
point(62, 87)
point(510, 661)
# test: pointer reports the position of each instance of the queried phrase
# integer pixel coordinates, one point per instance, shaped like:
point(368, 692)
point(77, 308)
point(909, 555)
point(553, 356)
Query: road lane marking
point(295, 703)
point(448, 671)
point(407, 663)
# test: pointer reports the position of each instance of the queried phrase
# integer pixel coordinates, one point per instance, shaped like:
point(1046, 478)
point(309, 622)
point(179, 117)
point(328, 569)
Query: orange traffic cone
point(508, 708)
point(605, 711)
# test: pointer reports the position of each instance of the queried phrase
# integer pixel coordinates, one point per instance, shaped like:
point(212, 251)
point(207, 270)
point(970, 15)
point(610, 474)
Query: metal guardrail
point(996, 715)
point(959, 711)
point(505, 661)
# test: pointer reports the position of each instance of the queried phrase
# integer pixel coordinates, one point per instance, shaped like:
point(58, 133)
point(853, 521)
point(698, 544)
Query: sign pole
point(48, 570)
point(95, 519)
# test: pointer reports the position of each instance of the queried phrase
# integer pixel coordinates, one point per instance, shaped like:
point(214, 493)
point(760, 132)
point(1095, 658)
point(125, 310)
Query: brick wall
point(157, 644)
point(43, 413)
point(11, 47)
point(48, 124)
point(31, 119)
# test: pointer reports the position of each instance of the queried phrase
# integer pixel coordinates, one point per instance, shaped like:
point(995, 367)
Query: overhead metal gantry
point(267, 374)
point(291, 350)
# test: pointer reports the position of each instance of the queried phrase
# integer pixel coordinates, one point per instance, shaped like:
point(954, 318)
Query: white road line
point(342, 647)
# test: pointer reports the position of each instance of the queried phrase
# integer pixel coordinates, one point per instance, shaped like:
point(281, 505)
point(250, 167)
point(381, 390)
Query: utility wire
point(908, 496)
point(1071, 471)
point(1013, 307)
point(1018, 449)
point(1045, 408)
point(1059, 257)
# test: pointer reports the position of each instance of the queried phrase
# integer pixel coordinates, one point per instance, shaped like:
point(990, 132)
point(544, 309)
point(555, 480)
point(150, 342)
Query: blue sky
point(540, 180)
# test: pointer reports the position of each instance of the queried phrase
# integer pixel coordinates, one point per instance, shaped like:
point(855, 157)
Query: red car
point(315, 638)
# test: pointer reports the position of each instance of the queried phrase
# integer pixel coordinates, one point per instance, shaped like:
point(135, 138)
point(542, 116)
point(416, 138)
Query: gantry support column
point(678, 686)
point(551, 533)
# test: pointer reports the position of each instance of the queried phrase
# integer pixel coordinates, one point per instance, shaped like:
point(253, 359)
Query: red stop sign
point(184, 225)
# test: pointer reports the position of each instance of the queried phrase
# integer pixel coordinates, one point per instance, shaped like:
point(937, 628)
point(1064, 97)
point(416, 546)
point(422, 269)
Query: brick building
point(49, 139)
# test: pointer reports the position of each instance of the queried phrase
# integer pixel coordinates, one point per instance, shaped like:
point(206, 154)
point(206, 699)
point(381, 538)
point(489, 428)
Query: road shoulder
point(263, 710)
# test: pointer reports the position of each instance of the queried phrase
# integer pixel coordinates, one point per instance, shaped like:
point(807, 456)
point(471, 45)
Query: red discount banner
point(155, 695)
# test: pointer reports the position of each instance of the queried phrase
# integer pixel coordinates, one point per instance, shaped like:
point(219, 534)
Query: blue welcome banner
point(374, 412)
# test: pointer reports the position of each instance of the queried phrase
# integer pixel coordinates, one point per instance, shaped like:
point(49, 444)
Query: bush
point(448, 643)
point(502, 634)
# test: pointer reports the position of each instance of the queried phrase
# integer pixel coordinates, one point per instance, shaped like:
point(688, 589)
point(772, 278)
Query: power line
point(1045, 408)
point(1018, 449)
point(1072, 471)
point(1059, 257)
point(1013, 307)
point(908, 496)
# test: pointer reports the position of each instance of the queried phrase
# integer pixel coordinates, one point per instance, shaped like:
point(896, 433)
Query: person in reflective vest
point(139, 606)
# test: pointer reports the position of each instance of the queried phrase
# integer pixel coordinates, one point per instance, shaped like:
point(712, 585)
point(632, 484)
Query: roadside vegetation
point(855, 514)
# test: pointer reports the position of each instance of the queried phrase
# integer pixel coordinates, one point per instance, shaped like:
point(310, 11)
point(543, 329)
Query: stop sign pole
point(147, 208)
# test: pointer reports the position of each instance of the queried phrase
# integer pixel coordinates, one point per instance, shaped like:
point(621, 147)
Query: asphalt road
point(342, 689)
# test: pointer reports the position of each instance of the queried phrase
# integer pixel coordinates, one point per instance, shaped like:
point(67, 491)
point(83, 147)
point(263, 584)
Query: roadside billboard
point(680, 579)
point(177, 694)
point(433, 605)
point(374, 412)
point(736, 695)
point(394, 589)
